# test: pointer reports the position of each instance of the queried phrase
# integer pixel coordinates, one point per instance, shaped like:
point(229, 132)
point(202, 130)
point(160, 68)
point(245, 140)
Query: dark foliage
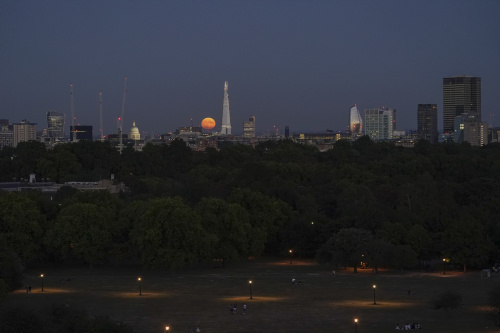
point(415, 204)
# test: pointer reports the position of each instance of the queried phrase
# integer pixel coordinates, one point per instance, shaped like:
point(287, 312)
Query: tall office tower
point(249, 128)
point(461, 94)
point(355, 123)
point(24, 131)
point(287, 132)
point(81, 132)
point(427, 122)
point(226, 119)
point(55, 124)
point(379, 123)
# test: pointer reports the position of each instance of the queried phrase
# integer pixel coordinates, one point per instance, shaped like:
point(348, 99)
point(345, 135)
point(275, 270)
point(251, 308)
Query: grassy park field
point(322, 302)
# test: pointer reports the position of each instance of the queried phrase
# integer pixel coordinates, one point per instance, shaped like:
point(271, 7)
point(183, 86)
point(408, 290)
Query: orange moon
point(208, 123)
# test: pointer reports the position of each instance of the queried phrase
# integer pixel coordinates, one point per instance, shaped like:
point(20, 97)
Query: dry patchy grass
point(322, 303)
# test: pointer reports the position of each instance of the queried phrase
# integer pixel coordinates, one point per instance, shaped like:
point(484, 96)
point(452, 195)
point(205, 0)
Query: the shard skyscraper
point(226, 118)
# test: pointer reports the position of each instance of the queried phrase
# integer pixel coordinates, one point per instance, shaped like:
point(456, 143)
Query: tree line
point(360, 202)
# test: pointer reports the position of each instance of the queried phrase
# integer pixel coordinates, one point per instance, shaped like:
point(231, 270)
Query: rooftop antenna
point(101, 129)
point(120, 120)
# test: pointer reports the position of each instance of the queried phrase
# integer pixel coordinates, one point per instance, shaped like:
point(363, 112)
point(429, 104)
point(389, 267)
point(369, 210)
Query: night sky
point(296, 63)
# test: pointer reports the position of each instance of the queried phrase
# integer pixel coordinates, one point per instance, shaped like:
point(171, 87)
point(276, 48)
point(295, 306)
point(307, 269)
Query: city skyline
point(290, 63)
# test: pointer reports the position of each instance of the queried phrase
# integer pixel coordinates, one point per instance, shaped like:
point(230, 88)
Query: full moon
point(208, 123)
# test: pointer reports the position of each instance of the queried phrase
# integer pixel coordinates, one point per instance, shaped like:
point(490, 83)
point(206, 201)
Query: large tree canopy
point(169, 234)
point(360, 201)
point(84, 231)
point(20, 225)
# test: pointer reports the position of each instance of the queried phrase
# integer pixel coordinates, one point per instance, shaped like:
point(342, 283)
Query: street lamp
point(140, 287)
point(250, 283)
point(41, 275)
point(355, 325)
point(290, 251)
point(167, 328)
point(444, 265)
point(374, 301)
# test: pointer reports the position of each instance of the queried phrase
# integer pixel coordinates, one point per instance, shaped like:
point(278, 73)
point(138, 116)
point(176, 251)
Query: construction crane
point(120, 120)
point(72, 129)
point(101, 129)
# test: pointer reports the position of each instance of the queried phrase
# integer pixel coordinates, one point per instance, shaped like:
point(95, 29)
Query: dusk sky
point(296, 63)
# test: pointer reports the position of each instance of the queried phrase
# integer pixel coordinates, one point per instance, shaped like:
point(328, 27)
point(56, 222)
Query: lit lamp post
point(140, 287)
point(290, 251)
point(374, 301)
point(167, 328)
point(444, 265)
point(355, 325)
point(41, 275)
point(250, 283)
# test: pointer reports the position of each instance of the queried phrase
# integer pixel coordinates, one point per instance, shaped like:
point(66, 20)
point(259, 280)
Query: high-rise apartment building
point(355, 123)
point(24, 131)
point(427, 122)
point(476, 133)
point(468, 129)
point(226, 119)
point(461, 94)
point(249, 128)
point(55, 124)
point(380, 123)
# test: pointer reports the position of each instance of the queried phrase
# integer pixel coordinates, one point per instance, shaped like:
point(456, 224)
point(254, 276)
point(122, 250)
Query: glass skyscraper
point(55, 124)
point(461, 94)
point(427, 122)
point(226, 118)
point(355, 123)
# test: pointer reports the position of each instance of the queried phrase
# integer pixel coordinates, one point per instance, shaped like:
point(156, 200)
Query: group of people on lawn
point(406, 327)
